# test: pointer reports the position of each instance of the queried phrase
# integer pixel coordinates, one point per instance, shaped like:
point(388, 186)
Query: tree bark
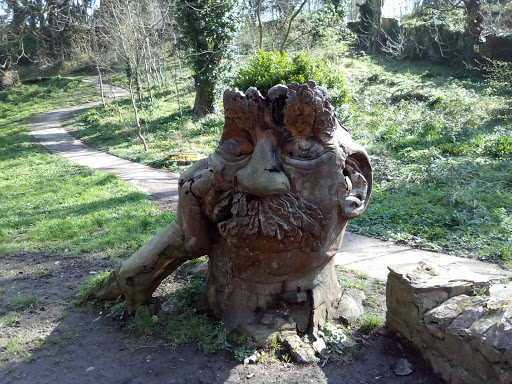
point(136, 113)
point(204, 103)
point(260, 25)
point(102, 93)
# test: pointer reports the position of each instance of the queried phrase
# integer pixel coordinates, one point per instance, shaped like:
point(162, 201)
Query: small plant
point(88, 285)
point(23, 302)
point(358, 284)
point(287, 358)
point(241, 353)
point(197, 261)
point(141, 324)
point(480, 292)
point(370, 324)
point(335, 337)
point(183, 298)
point(372, 301)
point(10, 319)
point(13, 347)
point(273, 348)
point(115, 309)
point(209, 336)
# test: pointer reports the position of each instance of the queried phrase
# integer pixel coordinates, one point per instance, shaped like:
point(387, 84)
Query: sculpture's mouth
point(286, 218)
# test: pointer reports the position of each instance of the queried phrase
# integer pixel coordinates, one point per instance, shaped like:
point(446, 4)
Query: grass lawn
point(51, 205)
point(441, 147)
point(440, 142)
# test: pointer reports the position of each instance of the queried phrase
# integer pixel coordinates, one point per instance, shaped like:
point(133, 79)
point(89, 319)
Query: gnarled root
point(136, 279)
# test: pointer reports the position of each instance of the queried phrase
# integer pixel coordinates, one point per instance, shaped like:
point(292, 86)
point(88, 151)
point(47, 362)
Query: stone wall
point(462, 329)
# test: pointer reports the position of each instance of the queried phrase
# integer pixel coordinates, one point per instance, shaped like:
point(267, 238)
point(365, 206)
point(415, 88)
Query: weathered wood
point(269, 207)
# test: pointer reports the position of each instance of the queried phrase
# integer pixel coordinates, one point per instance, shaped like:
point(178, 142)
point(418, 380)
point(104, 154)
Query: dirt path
point(61, 344)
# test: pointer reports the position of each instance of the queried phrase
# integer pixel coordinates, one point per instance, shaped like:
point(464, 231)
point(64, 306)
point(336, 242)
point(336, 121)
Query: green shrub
point(267, 69)
point(500, 147)
point(498, 73)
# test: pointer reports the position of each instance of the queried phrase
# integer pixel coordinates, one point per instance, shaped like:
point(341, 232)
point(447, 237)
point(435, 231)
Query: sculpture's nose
point(263, 175)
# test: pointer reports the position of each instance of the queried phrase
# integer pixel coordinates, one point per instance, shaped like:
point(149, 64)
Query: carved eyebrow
point(233, 131)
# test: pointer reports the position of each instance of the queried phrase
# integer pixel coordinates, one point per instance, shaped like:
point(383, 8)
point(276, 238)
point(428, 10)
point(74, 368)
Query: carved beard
point(287, 218)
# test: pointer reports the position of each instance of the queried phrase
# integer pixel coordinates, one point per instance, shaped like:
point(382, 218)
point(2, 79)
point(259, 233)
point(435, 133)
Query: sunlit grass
point(441, 158)
point(52, 205)
point(440, 142)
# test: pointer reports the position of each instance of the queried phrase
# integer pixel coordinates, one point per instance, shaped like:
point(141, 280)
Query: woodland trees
point(207, 29)
point(40, 31)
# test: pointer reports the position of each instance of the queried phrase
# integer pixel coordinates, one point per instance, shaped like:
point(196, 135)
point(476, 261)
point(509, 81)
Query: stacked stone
point(461, 327)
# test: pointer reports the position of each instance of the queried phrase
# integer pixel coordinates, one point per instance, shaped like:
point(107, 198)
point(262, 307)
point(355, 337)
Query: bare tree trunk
point(294, 15)
point(175, 78)
point(148, 81)
point(260, 25)
point(376, 26)
point(160, 72)
point(136, 112)
point(139, 88)
point(101, 86)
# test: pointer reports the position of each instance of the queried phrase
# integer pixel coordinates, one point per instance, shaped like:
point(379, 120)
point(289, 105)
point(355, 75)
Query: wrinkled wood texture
point(269, 207)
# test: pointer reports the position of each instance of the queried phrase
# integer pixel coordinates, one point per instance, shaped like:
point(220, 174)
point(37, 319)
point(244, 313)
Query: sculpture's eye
point(302, 148)
point(235, 148)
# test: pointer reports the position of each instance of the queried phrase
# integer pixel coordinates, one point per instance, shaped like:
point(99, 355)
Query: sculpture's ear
point(358, 183)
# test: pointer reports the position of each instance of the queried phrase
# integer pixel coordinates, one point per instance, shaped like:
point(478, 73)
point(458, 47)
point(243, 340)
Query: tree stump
point(269, 207)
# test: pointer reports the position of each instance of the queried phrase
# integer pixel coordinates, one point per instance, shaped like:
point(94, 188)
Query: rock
point(9, 79)
point(402, 367)
point(465, 338)
point(460, 326)
point(447, 311)
point(349, 310)
point(89, 369)
point(301, 352)
point(504, 331)
point(320, 348)
point(199, 270)
point(154, 318)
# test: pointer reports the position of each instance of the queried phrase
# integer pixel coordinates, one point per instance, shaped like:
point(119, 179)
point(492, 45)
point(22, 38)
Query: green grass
point(440, 143)
point(88, 285)
point(10, 319)
point(174, 330)
point(20, 302)
point(441, 151)
point(13, 348)
point(370, 323)
point(48, 204)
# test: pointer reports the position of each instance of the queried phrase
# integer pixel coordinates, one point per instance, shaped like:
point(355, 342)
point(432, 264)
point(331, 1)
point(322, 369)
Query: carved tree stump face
point(287, 178)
